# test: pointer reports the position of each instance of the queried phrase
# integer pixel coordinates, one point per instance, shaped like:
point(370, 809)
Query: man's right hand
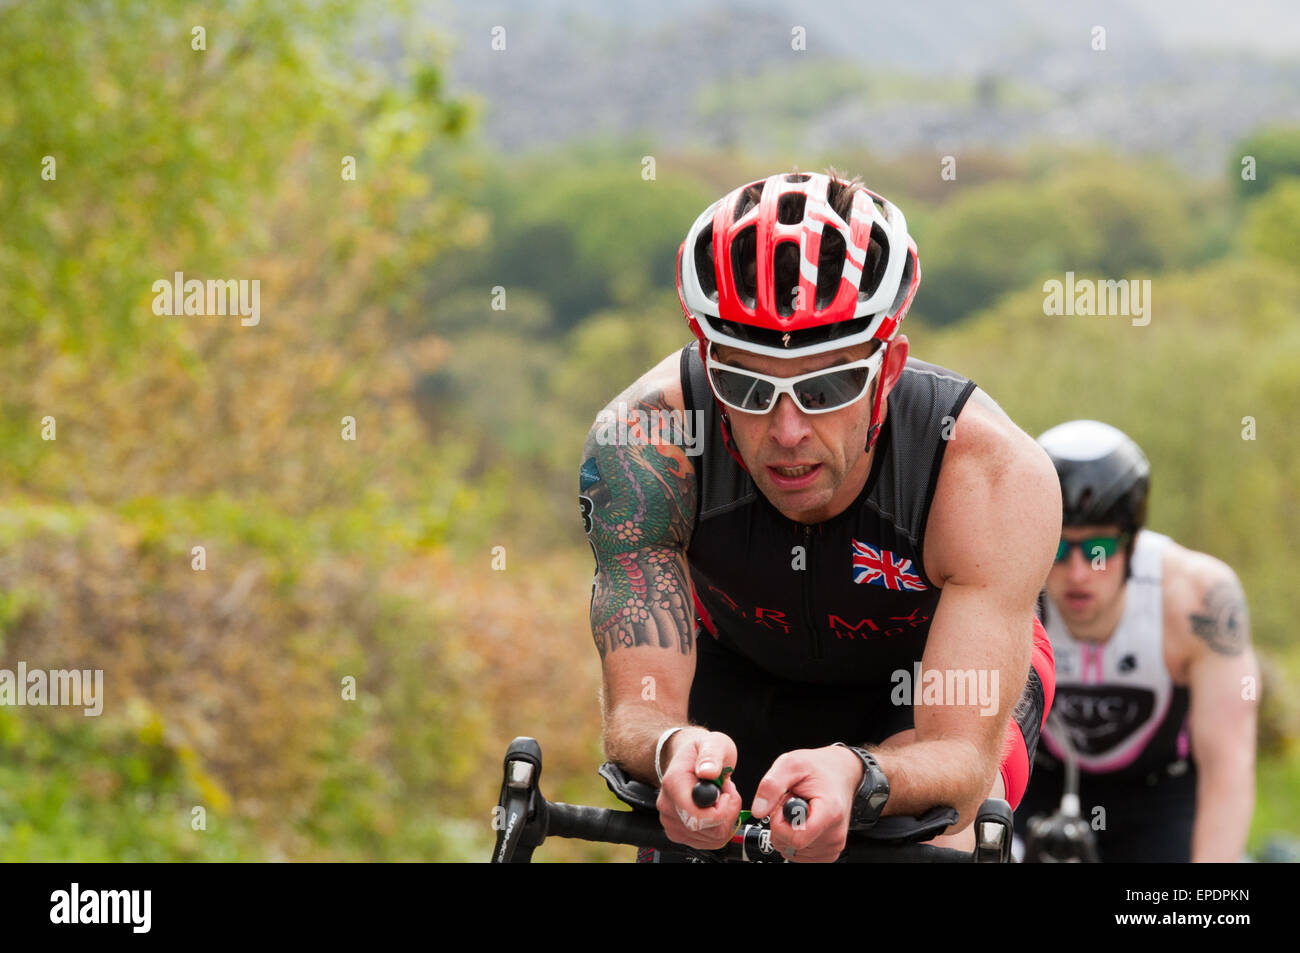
point(690, 755)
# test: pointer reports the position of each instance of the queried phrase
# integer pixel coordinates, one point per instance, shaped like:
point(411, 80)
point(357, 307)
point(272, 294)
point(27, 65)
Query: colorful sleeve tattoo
point(637, 497)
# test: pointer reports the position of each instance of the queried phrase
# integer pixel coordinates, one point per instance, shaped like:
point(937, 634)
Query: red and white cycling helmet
point(772, 269)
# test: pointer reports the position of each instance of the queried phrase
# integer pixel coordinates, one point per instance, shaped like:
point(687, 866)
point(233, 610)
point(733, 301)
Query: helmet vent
point(748, 199)
point(789, 211)
point(830, 266)
point(797, 177)
point(704, 263)
point(904, 283)
point(873, 268)
point(744, 265)
point(834, 194)
point(785, 262)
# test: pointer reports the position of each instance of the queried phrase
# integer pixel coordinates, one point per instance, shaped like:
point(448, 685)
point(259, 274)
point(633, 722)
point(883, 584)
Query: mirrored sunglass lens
point(832, 389)
point(1107, 545)
point(742, 391)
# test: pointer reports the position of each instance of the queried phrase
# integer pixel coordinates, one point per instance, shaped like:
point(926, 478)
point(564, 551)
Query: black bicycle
point(1063, 837)
point(525, 819)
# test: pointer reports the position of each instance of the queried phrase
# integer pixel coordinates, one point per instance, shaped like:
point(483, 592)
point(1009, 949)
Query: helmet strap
point(727, 440)
point(874, 433)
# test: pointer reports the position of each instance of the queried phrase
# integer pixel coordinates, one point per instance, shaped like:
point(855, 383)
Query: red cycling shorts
point(1026, 723)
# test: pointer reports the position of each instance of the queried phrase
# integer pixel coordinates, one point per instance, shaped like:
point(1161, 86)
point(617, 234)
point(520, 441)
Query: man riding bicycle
point(856, 523)
point(1157, 682)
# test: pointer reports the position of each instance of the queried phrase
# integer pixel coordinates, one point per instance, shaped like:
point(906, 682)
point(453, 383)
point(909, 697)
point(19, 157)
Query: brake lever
point(519, 804)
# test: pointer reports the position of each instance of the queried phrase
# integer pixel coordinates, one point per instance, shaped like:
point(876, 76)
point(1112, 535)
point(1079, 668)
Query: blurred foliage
point(582, 242)
point(1272, 226)
point(1276, 151)
point(1113, 217)
point(177, 432)
point(71, 788)
point(472, 313)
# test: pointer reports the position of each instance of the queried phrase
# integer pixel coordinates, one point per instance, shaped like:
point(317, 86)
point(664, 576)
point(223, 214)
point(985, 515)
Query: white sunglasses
point(818, 392)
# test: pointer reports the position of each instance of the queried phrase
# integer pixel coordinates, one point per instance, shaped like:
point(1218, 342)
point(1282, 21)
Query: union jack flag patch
point(879, 567)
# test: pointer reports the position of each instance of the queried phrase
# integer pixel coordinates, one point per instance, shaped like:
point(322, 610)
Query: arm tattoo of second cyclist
point(638, 506)
point(1222, 621)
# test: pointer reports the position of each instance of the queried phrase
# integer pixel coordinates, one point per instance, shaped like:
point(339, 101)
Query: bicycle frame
point(1062, 837)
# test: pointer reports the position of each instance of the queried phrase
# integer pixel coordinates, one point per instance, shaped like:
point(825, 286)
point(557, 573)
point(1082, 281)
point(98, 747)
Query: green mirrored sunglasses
point(1108, 545)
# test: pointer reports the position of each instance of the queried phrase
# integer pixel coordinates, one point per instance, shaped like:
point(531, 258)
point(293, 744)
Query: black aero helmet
point(1104, 475)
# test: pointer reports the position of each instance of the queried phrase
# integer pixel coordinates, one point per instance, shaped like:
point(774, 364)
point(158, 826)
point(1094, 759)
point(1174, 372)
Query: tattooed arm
point(1222, 676)
point(638, 498)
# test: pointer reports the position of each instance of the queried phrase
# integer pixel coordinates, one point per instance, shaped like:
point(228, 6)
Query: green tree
point(1105, 216)
point(1272, 225)
point(585, 233)
point(1276, 154)
point(986, 242)
point(224, 159)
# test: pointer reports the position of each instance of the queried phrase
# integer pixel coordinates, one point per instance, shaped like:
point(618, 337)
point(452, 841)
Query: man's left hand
point(827, 778)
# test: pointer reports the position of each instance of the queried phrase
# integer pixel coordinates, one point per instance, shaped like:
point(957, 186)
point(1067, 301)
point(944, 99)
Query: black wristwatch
point(872, 793)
